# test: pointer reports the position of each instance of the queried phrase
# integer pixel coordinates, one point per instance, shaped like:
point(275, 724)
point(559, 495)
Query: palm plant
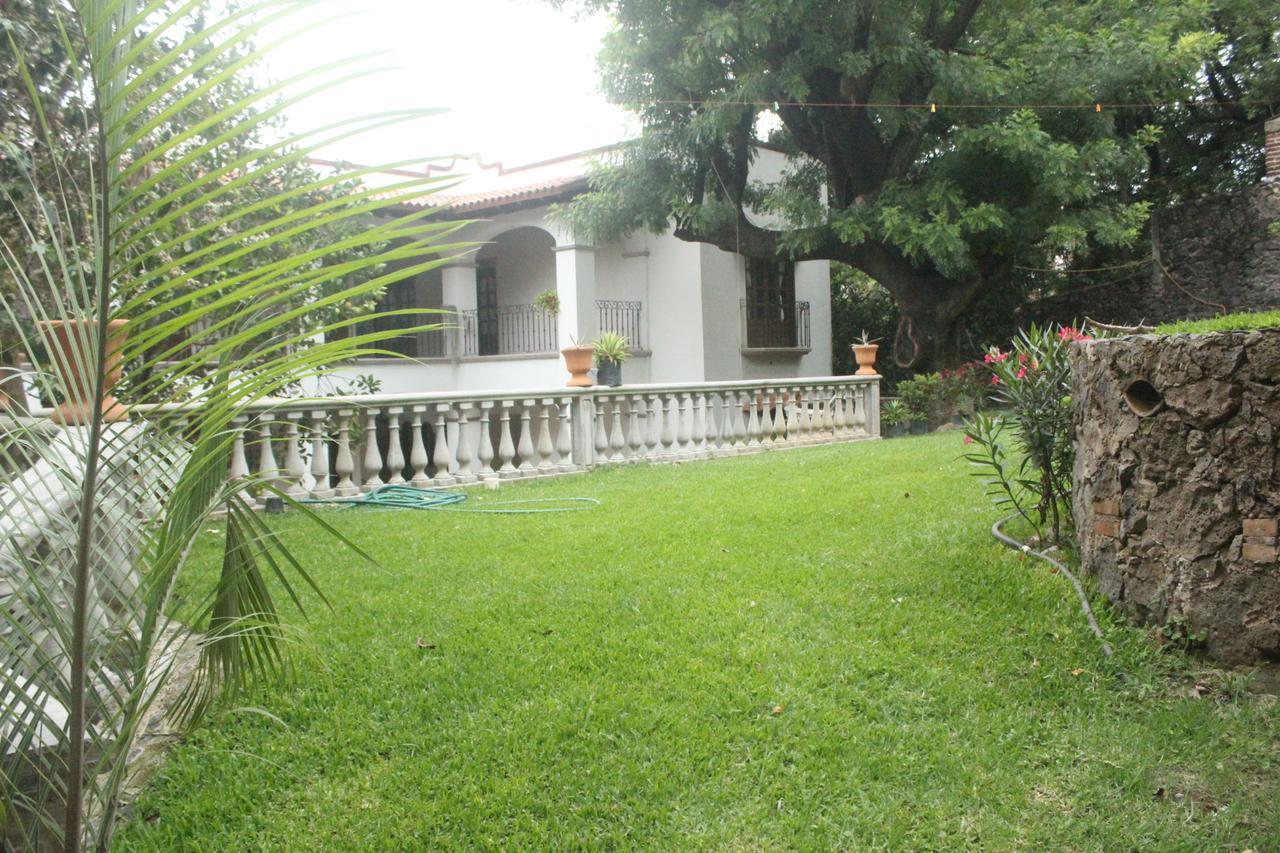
point(96, 527)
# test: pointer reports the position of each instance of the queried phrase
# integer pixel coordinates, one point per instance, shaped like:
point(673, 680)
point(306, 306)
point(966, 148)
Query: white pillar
point(576, 287)
point(458, 290)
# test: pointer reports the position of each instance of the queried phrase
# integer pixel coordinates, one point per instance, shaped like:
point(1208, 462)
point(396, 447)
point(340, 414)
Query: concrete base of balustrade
point(1177, 483)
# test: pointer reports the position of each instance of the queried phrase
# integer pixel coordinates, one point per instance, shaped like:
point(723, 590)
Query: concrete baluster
point(442, 456)
point(395, 453)
point(344, 464)
point(418, 459)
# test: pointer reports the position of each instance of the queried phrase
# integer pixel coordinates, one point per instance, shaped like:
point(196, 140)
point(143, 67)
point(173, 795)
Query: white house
point(692, 312)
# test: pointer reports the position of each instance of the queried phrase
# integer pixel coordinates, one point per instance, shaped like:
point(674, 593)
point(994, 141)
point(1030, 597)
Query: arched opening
point(510, 273)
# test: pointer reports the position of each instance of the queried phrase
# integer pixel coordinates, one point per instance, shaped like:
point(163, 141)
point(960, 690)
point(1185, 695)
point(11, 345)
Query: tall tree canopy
point(189, 243)
point(937, 204)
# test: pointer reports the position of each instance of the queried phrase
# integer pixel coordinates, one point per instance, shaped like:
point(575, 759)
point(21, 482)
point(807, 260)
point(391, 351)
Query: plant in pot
point(548, 300)
point(894, 418)
point(917, 395)
point(610, 351)
point(864, 352)
point(577, 357)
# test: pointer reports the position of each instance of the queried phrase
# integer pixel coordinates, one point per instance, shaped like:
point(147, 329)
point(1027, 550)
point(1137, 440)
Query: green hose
point(410, 497)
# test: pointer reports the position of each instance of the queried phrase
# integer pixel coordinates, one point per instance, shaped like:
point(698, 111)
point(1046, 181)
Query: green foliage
point(1024, 454)
point(184, 109)
point(939, 207)
point(548, 300)
point(178, 207)
point(894, 413)
point(918, 395)
point(936, 692)
point(1223, 323)
point(611, 347)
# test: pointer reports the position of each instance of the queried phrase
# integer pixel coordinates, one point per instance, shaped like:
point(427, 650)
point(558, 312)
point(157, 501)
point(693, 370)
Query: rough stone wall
point(1215, 253)
point(1177, 509)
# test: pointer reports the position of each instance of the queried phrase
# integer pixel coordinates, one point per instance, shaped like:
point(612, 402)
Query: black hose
point(1026, 549)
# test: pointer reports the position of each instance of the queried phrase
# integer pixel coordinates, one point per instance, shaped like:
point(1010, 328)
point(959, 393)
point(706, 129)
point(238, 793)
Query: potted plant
point(577, 357)
point(68, 342)
point(610, 351)
point(894, 418)
point(864, 351)
point(549, 301)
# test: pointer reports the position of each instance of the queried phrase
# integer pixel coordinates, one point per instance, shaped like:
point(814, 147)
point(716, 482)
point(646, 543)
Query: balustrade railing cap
point(363, 401)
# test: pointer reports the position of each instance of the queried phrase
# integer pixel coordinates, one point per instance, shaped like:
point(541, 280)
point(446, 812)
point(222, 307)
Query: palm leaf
point(99, 529)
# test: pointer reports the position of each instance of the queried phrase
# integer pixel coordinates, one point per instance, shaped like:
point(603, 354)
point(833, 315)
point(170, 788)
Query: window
point(771, 303)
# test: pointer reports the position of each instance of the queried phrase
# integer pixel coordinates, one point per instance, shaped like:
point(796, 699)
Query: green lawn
point(1223, 323)
point(807, 649)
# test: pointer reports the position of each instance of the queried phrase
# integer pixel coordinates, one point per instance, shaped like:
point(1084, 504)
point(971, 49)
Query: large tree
point(178, 112)
point(938, 204)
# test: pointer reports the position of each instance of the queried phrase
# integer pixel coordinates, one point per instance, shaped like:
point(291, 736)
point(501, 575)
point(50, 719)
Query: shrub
point(918, 394)
point(893, 413)
point(1024, 453)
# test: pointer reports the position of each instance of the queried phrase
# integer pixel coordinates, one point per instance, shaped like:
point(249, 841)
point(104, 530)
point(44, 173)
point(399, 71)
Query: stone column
point(576, 287)
point(458, 289)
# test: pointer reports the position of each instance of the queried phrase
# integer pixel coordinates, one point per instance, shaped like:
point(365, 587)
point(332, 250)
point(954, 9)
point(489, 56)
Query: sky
point(518, 76)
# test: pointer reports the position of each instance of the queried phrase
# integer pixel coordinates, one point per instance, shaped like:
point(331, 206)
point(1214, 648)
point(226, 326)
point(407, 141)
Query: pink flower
point(987, 358)
point(1022, 358)
point(968, 439)
point(995, 380)
point(1066, 333)
point(1022, 373)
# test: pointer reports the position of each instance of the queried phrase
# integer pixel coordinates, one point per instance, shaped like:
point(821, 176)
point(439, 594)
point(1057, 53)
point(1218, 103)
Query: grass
point(1223, 323)
point(811, 649)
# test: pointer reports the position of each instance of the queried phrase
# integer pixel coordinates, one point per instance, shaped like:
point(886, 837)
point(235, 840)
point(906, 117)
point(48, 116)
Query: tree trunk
point(930, 306)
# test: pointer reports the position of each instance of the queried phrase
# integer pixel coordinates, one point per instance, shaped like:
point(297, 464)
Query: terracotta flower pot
point(66, 340)
point(866, 357)
point(578, 361)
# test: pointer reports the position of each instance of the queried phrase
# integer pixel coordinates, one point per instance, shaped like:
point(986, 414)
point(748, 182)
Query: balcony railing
point(775, 325)
point(508, 330)
point(621, 317)
point(343, 446)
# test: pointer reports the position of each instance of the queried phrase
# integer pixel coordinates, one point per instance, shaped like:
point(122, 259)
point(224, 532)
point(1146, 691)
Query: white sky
point(519, 78)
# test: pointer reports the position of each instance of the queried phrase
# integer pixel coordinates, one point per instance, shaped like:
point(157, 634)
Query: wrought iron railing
point(775, 325)
point(508, 330)
point(622, 317)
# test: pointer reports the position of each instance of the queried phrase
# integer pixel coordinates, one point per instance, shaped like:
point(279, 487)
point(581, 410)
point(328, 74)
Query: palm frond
point(172, 225)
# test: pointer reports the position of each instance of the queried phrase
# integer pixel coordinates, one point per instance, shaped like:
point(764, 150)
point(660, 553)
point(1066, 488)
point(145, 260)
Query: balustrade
point(321, 449)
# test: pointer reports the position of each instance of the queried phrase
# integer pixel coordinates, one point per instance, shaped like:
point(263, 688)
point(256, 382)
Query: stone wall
point(1177, 483)
point(1219, 254)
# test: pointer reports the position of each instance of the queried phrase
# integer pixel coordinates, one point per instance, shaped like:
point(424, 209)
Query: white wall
point(526, 264)
point(675, 309)
point(723, 286)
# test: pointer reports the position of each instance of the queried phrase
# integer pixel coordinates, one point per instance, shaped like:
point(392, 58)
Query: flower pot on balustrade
point(578, 360)
point(609, 373)
point(66, 341)
point(865, 355)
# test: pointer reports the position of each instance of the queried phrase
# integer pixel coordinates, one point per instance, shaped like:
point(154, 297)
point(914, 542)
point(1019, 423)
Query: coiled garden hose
point(1005, 539)
point(411, 497)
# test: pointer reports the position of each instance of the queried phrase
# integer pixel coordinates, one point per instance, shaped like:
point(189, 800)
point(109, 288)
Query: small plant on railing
point(1024, 454)
point(863, 341)
point(610, 351)
point(611, 347)
point(548, 300)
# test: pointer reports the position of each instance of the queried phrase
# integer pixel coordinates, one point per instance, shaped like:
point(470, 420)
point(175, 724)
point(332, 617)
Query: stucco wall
point(1176, 507)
